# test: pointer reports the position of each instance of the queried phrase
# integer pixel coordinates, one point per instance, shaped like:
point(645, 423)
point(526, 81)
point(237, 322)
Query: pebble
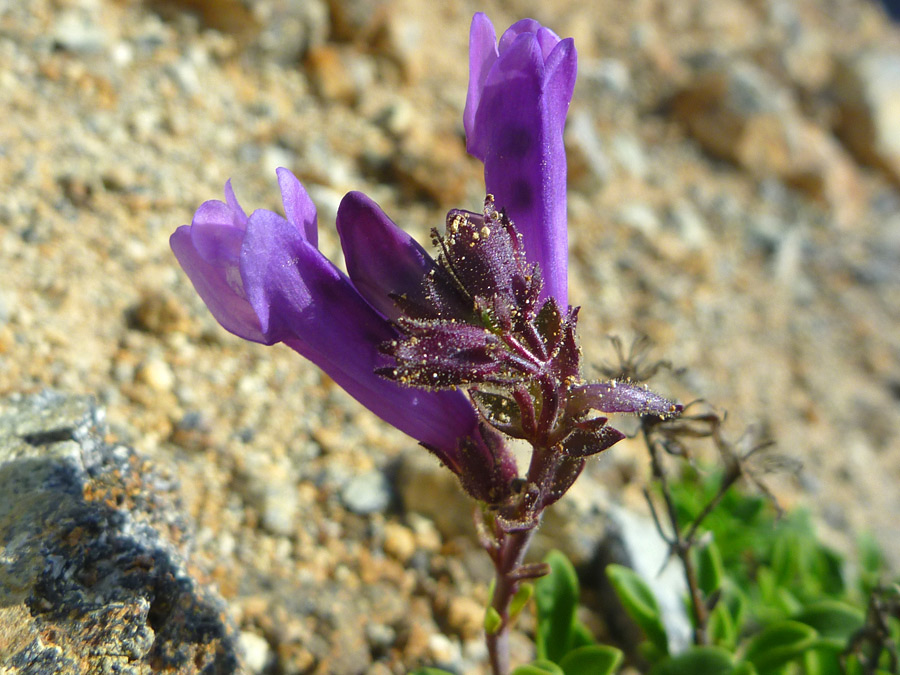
point(367, 493)
point(280, 508)
point(75, 31)
point(446, 653)
point(465, 617)
point(640, 216)
point(399, 541)
point(290, 28)
point(157, 374)
point(629, 154)
point(256, 650)
point(611, 75)
point(689, 224)
point(380, 635)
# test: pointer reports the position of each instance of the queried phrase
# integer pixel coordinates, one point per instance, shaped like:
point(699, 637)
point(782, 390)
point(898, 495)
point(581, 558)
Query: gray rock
point(92, 553)
point(634, 541)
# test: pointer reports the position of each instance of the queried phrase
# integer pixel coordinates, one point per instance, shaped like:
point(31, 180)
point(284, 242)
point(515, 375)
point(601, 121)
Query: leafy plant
point(563, 644)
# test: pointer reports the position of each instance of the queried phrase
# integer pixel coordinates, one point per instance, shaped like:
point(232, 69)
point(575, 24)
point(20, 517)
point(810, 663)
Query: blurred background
point(733, 194)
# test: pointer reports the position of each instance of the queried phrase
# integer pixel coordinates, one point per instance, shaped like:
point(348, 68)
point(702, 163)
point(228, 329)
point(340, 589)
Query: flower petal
point(524, 26)
point(482, 56)
point(239, 217)
point(219, 285)
point(382, 260)
point(517, 131)
point(298, 207)
point(310, 305)
point(215, 235)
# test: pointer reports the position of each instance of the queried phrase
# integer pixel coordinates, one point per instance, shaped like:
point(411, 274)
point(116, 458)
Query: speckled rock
point(94, 574)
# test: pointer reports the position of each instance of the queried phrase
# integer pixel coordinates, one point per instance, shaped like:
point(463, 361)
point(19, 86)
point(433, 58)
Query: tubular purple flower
point(519, 94)
point(263, 279)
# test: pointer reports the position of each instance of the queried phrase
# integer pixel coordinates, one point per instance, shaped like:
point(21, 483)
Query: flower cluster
point(457, 351)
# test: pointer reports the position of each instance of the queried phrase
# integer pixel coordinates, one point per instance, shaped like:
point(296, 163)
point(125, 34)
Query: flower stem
point(508, 553)
point(508, 558)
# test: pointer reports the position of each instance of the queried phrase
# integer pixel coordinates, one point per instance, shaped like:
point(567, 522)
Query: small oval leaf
point(709, 568)
point(556, 596)
point(539, 667)
point(492, 621)
point(696, 660)
point(640, 603)
point(779, 643)
point(592, 660)
point(832, 619)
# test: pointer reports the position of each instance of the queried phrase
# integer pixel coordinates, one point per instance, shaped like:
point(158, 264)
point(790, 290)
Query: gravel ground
point(733, 195)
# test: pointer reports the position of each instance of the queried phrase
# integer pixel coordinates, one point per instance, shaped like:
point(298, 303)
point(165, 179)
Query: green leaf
point(871, 561)
point(581, 636)
point(696, 660)
point(832, 619)
point(720, 627)
point(744, 668)
point(854, 668)
point(786, 557)
point(492, 621)
point(520, 599)
point(709, 568)
point(736, 601)
point(640, 603)
point(592, 660)
point(539, 667)
point(823, 659)
point(778, 644)
point(556, 596)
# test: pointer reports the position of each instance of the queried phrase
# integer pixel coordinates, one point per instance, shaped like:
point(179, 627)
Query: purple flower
point(519, 93)
point(264, 280)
